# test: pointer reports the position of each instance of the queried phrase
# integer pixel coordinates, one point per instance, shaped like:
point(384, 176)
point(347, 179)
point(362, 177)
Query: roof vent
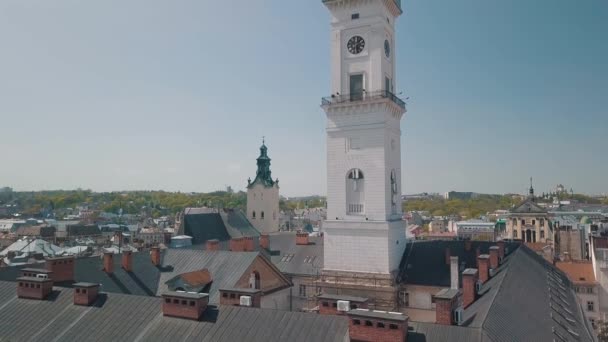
point(458, 316)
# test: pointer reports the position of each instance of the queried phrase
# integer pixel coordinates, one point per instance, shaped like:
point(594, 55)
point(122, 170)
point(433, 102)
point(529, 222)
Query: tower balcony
point(396, 2)
point(342, 99)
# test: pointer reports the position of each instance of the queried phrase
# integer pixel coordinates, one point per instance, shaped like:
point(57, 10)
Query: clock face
point(355, 45)
point(387, 49)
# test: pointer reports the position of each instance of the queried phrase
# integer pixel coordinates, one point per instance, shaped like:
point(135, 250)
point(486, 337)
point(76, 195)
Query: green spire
point(263, 174)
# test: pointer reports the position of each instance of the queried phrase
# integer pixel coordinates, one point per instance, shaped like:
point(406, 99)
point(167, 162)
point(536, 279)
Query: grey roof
point(342, 297)
point(296, 259)
point(378, 314)
point(430, 332)
point(181, 294)
point(528, 206)
point(118, 317)
point(226, 269)
point(424, 263)
point(204, 224)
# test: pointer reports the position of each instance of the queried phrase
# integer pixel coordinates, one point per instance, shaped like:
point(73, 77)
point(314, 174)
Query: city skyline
point(161, 101)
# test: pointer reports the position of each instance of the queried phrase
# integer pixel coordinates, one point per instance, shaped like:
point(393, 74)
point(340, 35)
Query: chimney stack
point(248, 244)
point(374, 325)
point(108, 262)
point(501, 250)
point(189, 305)
point(237, 244)
point(454, 273)
point(155, 256)
point(494, 257)
point(85, 293)
point(127, 261)
point(446, 301)
point(212, 245)
point(301, 238)
point(265, 241)
point(61, 267)
point(232, 297)
point(469, 288)
point(34, 288)
point(484, 263)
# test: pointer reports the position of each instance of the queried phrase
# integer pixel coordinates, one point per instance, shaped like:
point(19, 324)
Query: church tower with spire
point(263, 196)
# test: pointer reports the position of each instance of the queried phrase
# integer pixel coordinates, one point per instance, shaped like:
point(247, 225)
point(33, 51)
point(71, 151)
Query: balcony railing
point(362, 96)
point(397, 2)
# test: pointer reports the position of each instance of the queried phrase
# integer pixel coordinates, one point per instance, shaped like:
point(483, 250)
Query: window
point(515, 234)
point(590, 306)
point(542, 222)
point(302, 290)
point(379, 325)
point(37, 286)
point(175, 301)
point(590, 290)
point(184, 302)
point(325, 304)
point(84, 291)
point(27, 284)
point(232, 296)
point(353, 144)
point(262, 215)
point(225, 295)
point(355, 192)
point(191, 303)
point(369, 324)
point(20, 284)
point(354, 307)
point(167, 300)
point(354, 16)
point(77, 290)
point(356, 322)
point(393, 326)
point(523, 222)
point(334, 305)
point(533, 222)
point(542, 234)
point(253, 214)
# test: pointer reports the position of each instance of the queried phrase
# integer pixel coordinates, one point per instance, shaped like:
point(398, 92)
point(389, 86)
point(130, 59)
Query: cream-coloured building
point(529, 222)
point(263, 196)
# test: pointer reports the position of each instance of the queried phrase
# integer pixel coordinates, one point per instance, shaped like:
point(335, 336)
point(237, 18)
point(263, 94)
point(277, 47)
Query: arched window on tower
point(355, 192)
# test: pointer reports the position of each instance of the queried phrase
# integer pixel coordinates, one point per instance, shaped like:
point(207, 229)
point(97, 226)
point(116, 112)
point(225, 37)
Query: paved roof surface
point(118, 317)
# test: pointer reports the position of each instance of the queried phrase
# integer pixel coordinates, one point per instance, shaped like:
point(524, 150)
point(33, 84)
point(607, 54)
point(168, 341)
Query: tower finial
point(263, 140)
point(531, 188)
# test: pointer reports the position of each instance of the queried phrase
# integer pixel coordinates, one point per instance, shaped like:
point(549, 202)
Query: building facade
point(529, 222)
point(476, 230)
point(364, 231)
point(263, 196)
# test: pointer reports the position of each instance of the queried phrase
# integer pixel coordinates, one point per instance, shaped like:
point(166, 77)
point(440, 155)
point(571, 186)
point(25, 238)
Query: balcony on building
point(370, 96)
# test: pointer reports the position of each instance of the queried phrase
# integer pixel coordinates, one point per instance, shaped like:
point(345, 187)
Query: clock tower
point(364, 231)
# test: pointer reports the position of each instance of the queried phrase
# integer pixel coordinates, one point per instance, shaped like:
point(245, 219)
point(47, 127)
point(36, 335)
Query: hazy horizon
point(118, 96)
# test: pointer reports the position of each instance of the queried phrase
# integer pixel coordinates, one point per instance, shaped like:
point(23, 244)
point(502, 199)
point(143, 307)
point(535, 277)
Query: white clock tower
point(364, 232)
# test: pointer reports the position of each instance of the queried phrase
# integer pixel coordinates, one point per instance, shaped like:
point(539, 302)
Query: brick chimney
point(501, 250)
point(483, 262)
point(494, 257)
point(469, 282)
point(301, 239)
point(446, 301)
point(368, 325)
point(212, 245)
point(127, 261)
point(33, 287)
point(248, 245)
point(265, 241)
point(155, 256)
point(189, 305)
point(85, 293)
point(237, 244)
point(108, 262)
point(62, 268)
point(448, 254)
point(454, 273)
point(232, 296)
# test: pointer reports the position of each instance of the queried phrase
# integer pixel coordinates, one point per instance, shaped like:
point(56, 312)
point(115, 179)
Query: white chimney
point(454, 272)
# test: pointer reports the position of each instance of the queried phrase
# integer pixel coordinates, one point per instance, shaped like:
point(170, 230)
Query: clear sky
point(176, 95)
